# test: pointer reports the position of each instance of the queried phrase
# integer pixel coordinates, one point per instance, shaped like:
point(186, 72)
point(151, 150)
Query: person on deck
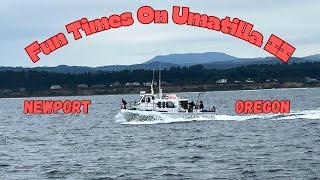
point(201, 105)
point(191, 105)
point(124, 104)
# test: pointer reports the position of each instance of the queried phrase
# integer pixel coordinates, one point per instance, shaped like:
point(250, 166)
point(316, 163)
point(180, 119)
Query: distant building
point(115, 84)
point(132, 84)
point(22, 89)
point(309, 80)
point(136, 84)
point(83, 86)
point(55, 87)
point(146, 84)
point(249, 80)
point(222, 81)
point(149, 84)
point(274, 80)
point(99, 86)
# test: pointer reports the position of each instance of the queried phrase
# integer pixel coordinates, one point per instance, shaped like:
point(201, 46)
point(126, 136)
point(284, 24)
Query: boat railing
point(131, 105)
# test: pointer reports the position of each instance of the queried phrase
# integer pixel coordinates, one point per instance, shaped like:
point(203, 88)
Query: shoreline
point(91, 91)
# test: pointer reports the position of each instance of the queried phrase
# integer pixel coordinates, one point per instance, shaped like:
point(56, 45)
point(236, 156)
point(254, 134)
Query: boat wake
point(156, 118)
point(307, 114)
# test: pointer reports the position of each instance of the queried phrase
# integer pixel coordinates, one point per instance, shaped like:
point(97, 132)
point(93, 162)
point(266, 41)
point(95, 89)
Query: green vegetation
point(196, 74)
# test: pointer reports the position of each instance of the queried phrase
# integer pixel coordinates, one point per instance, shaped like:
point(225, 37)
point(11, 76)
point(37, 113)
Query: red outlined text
point(262, 106)
point(56, 106)
point(180, 16)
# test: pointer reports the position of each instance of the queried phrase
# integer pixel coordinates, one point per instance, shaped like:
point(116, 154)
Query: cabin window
point(143, 100)
point(170, 104)
point(163, 104)
point(159, 104)
point(148, 99)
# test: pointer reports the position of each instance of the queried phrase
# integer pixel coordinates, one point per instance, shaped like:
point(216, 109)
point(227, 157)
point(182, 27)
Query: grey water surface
point(97, 146)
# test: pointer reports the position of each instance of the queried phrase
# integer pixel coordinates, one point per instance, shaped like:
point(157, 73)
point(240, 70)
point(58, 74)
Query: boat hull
point(136, 115)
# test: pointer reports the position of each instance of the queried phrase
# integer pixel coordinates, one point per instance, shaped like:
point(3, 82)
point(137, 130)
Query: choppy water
point(101, 146)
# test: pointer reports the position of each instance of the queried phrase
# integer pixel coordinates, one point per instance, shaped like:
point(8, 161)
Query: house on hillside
point(310, 80)
point(99, 86)
point(22, 89)
point(149, 84)
point(249, 80)
point(83, 86)
point(222, 81)
point(132, 84)
point(55, 87)
point(115, 84)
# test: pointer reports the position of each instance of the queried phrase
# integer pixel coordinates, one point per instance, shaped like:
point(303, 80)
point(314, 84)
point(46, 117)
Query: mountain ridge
point(210, 60)
point(189, 58)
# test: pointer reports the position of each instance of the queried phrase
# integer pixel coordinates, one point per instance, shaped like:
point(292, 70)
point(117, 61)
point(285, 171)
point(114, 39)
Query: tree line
point(196, 74)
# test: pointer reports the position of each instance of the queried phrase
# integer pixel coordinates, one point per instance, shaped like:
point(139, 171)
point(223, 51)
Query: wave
point(306, 114)
point(157, 118)
point(151, 118)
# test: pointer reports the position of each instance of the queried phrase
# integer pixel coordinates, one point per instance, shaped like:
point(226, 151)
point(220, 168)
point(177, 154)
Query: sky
point(23, 22)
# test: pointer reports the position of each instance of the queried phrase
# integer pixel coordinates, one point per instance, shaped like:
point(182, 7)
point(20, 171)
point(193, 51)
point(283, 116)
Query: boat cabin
point(166, 103)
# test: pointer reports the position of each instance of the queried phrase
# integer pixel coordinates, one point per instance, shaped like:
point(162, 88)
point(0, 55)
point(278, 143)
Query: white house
point(98, 86)
point(55, 87)
point(222, 81)
point(249, 80)
point(149, 83)
point(309, 80)
point(83, 86)
point(115, 84)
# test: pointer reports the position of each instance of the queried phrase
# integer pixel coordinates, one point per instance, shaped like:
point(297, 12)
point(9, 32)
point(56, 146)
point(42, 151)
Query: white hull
point(152, 107)
point(137, 115)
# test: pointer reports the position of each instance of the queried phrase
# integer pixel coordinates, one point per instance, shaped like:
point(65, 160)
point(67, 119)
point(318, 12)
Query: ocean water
point(102, 145)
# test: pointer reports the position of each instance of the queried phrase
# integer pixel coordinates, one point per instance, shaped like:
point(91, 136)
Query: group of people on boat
point(191, 106)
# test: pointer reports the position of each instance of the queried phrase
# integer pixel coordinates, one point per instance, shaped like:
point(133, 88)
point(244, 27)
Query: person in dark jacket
point(191, 105)
point(124, 104)
point(201, 105)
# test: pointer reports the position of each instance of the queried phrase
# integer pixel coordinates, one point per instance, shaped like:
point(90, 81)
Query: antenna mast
point(160, 90)
point(152, 91)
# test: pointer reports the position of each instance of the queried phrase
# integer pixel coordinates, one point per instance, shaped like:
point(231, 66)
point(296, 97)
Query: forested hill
point(196, 74)
point(210, 60)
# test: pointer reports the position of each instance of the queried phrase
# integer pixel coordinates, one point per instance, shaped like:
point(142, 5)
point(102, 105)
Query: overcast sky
point(23, 22)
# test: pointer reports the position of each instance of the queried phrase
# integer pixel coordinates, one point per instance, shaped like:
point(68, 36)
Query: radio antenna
point(160, 90)
point(152, 91)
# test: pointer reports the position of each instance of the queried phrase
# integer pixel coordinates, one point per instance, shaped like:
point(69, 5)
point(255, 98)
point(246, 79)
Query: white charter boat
point(153, 106)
